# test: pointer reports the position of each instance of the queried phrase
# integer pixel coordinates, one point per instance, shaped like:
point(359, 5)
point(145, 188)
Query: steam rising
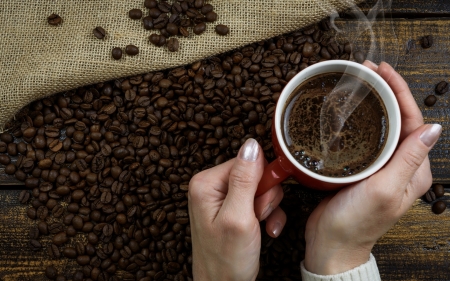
point(371, 34)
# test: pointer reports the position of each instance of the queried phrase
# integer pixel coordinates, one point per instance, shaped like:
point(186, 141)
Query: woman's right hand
point(342, 230)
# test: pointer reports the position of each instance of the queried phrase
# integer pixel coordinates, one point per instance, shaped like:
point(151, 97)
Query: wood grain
point(412, 8)
point(417, 248)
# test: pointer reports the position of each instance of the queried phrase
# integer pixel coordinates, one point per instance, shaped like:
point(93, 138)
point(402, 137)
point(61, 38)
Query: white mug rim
point(389, 97)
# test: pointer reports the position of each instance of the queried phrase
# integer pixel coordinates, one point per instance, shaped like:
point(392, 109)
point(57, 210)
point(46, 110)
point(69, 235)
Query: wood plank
point(412, 8)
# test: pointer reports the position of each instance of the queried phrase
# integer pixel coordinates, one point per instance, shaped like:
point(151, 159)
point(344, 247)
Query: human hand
point(225, 215)
point(342, 230)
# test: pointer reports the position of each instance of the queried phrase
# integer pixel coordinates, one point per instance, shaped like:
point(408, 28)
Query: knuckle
point(412, 159)
point(236, 226)
point(195, 187)
point(240, 176)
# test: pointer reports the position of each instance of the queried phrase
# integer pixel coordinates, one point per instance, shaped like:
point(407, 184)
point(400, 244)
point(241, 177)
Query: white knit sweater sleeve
point(364, 272)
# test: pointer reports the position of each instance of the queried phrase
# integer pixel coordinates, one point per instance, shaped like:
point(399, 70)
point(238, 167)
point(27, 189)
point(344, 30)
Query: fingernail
point(266, 211)
point(431, 134)
point(249, 151)
point(372, 63)
point(276, 229)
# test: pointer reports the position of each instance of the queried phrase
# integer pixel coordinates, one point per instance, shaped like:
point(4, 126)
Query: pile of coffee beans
point(112, 162)
point(435, 192)
point(441, 88)
point(176, 19)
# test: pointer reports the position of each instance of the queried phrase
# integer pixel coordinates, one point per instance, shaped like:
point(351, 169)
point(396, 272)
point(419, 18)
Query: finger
point(371, 65)
point(410, 112)
point(410, 155)
point(207, 191)
point(275, 222)
point(218, 175)
point(244, 178)
point(266, 203)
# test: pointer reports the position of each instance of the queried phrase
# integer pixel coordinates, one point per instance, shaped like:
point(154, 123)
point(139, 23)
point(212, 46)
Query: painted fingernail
point(431, 134)
point(372, 63)
point(266, 211)
point(276, 229)
point(249, 151)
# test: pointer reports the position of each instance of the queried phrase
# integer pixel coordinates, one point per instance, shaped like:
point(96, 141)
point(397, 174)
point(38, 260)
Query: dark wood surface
point(417, 248)
point(412, 8)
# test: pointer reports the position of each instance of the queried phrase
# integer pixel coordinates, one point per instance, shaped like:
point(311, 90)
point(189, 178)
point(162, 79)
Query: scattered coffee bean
point(35, 245)
point(438, 189)
point(200, 28)
point(131, 50)
point(99, 32)
point(116, 53)
point(51, 272)
point(54, 19)
point(429, 196)
point(135, 14)
point(442, 88)
point(426, 41)
point(222, 29)
point(173, 45)
point(439, 207)
point(430, 100)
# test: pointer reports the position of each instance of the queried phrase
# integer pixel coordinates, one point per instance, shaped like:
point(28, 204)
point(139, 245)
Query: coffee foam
point(317, 133)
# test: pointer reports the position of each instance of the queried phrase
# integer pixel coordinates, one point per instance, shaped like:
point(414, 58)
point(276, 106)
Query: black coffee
point(335, 124)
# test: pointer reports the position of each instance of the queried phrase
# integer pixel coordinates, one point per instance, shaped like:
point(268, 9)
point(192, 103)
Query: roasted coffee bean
point(135, 14)
point(430, 100)
point(116, 53)
point(35, 245)
point(70, 252)
point(173, 45)
point(42, 212)
point(54, 252)
point(442, 88)
point(211, 16)
point(131, 50)
point(54, 19)
point(6, 138)
point(430, 196)
point(51, 272)
point(5, 159)
point(150, 4)
point(426, 41)
point(148, 22)
point(439, 207)
point(438, 190)
point(222, 29)
point(60, 239)
point(99, 32)
point(200, 28)
point(24, 196)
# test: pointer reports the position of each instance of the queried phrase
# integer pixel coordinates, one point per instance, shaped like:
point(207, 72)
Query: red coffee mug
point(285, 165)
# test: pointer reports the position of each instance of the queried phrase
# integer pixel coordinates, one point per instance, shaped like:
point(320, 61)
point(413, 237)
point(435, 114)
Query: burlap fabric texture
point(37, 59)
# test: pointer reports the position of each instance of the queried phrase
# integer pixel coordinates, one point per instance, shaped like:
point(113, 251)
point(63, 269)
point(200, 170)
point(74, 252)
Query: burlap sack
point(37, 59)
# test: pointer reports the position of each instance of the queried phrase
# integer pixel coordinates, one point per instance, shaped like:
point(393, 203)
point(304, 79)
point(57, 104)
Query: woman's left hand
point(225, 216)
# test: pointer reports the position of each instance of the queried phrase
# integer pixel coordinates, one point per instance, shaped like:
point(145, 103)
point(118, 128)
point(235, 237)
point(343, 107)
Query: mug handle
point(274, 173)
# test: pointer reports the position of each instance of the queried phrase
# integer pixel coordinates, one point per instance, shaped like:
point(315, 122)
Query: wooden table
point(417, 248)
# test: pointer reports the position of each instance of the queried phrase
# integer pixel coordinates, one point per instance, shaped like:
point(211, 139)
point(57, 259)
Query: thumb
point(244, 178)
point(410, 155)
